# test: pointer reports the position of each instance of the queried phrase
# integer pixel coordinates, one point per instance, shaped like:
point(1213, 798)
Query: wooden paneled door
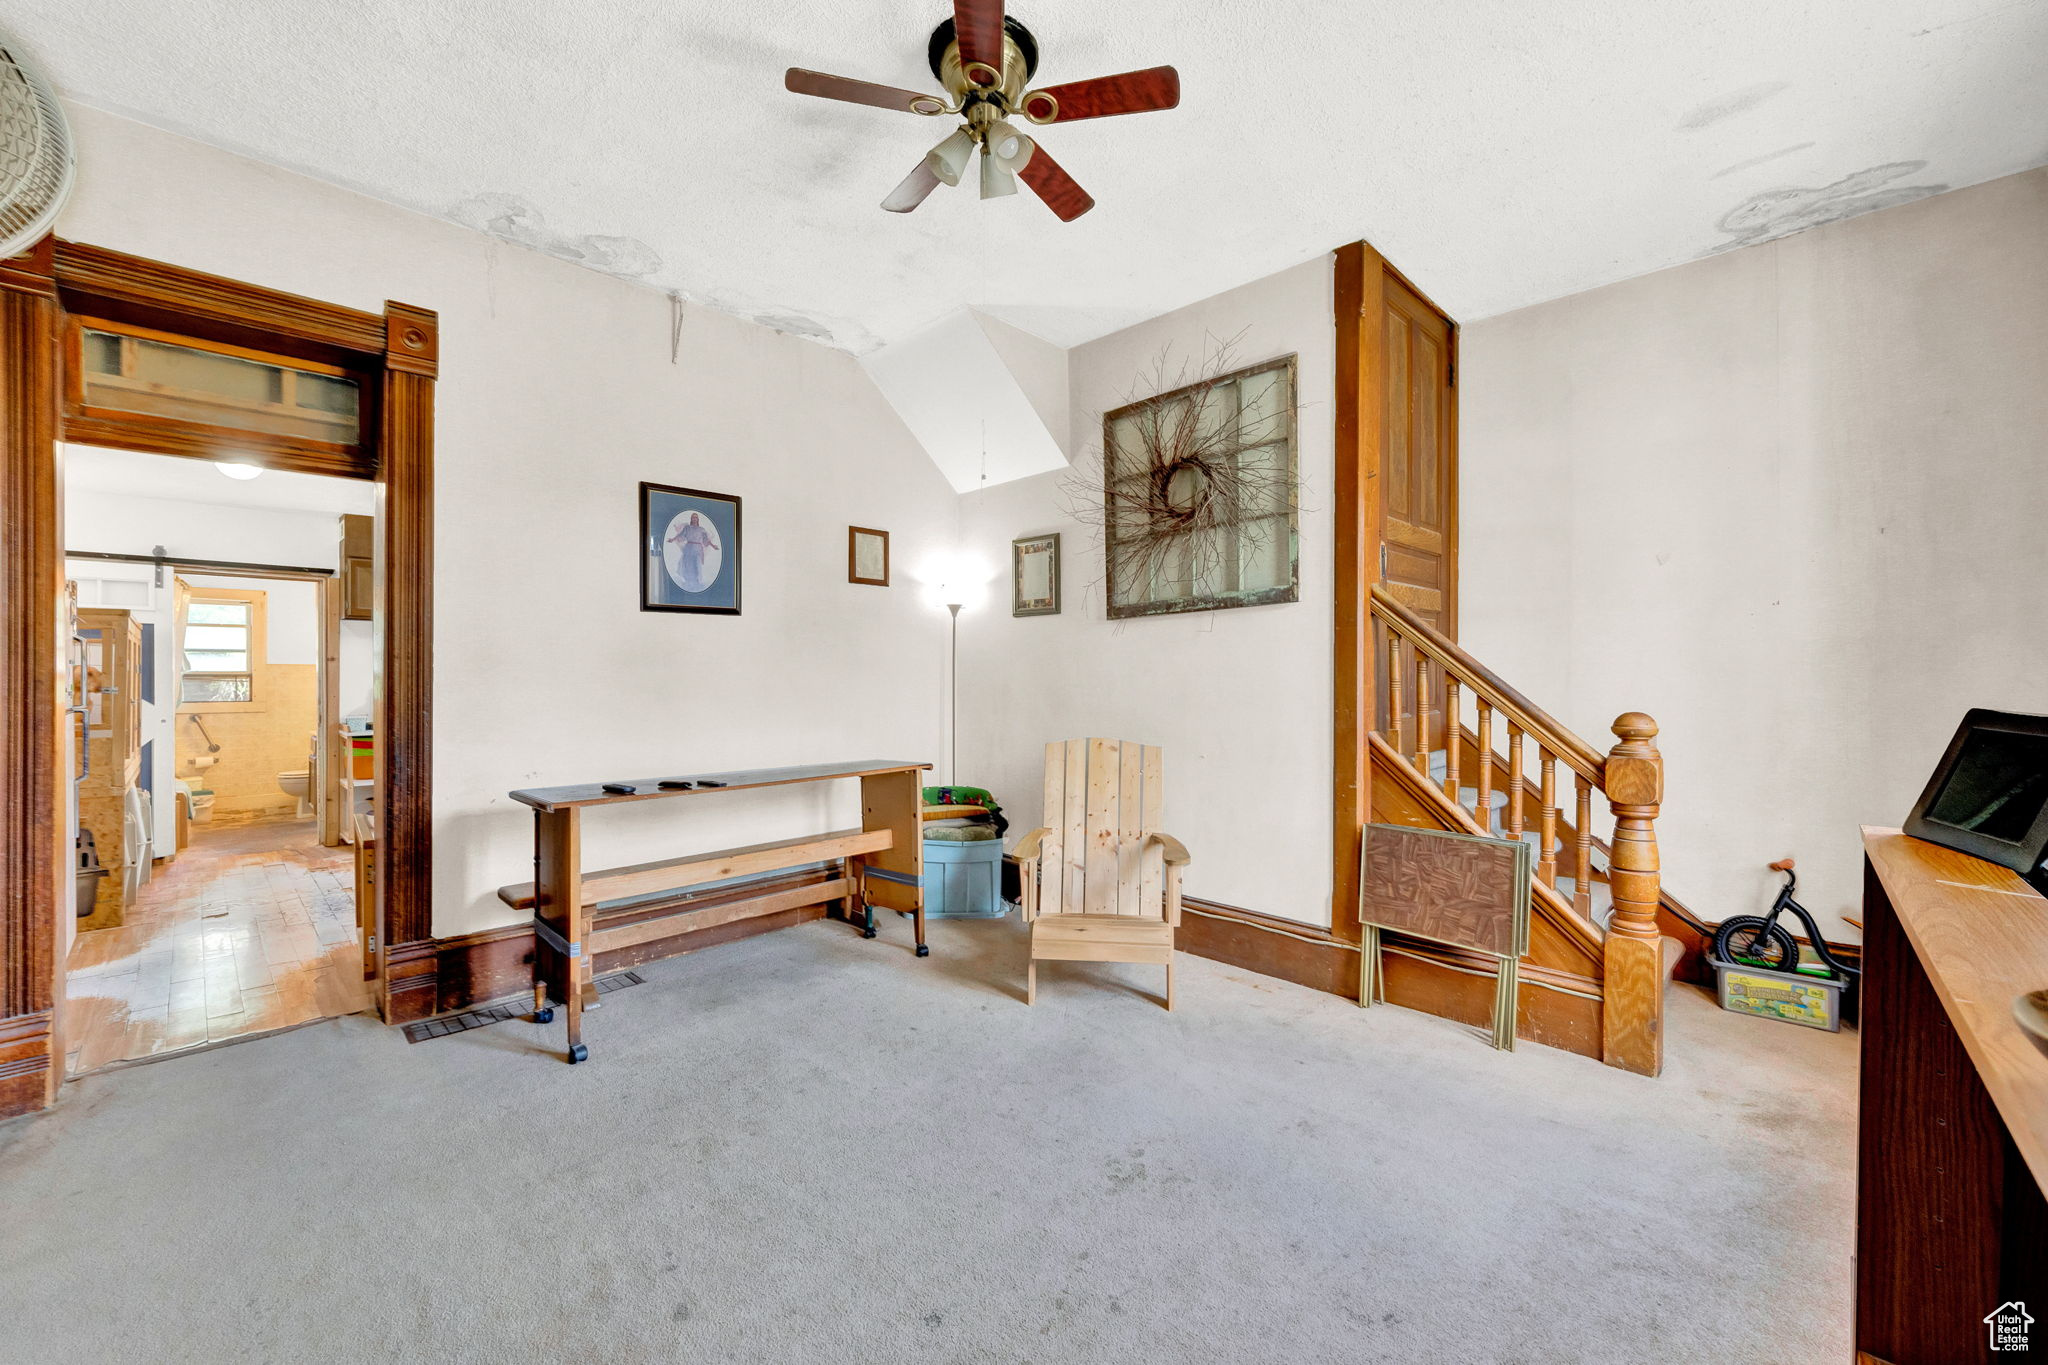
point(1396, 515)
point(1419, 460)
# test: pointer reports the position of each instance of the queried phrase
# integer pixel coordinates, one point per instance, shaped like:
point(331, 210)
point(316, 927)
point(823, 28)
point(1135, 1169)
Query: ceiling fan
point(985, 60)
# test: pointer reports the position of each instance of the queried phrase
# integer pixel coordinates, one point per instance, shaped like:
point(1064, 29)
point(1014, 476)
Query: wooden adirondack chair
point(1101, 882)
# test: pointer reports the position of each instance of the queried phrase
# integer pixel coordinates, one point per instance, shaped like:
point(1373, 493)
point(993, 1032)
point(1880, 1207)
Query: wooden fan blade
point(860, 92)
point(978, 28)
point(1050, 182)
point(1133, 92)
point(912, 192)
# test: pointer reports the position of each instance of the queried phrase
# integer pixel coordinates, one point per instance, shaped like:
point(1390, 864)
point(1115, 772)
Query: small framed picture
point(1035, 576)
point(689, 550)
point(867, 556)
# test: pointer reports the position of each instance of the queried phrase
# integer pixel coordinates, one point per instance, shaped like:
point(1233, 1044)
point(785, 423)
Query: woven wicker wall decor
point(1197, 498)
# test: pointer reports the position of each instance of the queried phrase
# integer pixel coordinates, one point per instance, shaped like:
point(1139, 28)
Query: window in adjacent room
point(219, 634)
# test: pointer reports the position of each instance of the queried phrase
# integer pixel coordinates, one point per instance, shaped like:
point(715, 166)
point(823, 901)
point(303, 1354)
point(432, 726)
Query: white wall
point(291, 614)
point(1784, 499)
point(120, 523)
point(1239, 699)
point(1790, 501)
point(557, 396)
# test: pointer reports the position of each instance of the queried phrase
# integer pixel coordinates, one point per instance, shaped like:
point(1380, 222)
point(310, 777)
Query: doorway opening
point(105, 349)
point(222, 802)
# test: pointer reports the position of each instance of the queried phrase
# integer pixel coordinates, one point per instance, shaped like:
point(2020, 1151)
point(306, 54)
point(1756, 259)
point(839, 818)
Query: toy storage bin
point(1794, 997)
point(963, 878)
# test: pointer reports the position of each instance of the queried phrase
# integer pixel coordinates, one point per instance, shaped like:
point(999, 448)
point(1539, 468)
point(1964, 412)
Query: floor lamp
point(953, 582)
point(953, 698)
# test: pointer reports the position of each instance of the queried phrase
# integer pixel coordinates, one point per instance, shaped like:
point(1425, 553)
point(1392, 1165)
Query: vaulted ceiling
point(1500, 153)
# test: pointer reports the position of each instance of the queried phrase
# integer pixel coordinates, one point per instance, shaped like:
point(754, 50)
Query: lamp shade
point(1009, 148)
point(996, 181)
point(948, 160)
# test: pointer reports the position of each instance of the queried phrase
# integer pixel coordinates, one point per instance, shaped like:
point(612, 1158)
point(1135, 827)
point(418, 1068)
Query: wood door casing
point(397, 351)
point(1419, 461)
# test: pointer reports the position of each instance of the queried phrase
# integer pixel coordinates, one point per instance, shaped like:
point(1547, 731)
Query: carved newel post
point(1632, 1020)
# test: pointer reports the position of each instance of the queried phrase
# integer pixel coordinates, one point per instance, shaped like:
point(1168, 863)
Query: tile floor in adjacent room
point(250, 929)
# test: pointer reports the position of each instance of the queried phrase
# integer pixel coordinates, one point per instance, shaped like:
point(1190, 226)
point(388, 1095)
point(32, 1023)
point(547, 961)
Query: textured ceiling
point(1500, 153)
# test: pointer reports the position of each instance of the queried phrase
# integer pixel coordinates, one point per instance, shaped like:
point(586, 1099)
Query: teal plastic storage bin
point(963, 880)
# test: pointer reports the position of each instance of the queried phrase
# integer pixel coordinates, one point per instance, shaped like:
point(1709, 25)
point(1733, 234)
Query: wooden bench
point(879, 864)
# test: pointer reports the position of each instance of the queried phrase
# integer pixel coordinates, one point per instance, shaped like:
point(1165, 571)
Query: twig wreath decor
point(1197, 498)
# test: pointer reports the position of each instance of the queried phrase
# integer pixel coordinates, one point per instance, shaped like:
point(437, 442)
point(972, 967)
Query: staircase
point(1454, 747)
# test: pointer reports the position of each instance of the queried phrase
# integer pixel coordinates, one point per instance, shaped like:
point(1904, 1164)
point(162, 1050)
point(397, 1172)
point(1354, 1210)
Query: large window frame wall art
point(1200, 495)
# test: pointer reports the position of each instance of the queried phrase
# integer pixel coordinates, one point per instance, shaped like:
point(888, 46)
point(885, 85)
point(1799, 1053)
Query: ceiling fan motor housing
point(1020, 63)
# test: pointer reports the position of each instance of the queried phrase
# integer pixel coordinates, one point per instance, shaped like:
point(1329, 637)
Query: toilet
point(299, 785)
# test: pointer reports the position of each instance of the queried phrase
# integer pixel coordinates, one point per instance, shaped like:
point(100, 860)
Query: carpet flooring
point(810, 1147)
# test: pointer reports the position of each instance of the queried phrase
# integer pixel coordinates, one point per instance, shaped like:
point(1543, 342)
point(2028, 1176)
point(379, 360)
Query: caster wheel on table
point(578, 1053)
point(546, 1016)
point(924, 950)
point(867, 933)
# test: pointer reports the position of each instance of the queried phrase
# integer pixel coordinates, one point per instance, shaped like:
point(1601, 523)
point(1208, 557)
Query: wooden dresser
point(1952, 1150)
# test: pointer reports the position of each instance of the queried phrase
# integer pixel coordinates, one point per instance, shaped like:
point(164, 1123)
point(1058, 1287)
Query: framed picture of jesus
point(689, 550)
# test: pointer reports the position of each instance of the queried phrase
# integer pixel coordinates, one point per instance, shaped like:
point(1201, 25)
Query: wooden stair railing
point(1427, 678)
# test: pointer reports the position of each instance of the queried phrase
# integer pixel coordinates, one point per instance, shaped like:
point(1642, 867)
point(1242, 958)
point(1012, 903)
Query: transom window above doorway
point(130, 369)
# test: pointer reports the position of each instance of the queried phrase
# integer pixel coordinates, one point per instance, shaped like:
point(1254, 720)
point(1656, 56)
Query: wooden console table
point(884, 866)
point(1952, 1150)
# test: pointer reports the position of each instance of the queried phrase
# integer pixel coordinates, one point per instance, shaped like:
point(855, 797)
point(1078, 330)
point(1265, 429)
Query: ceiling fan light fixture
point(997, 179)
point(1010, 148)
point(985, 62)
point(948, 160)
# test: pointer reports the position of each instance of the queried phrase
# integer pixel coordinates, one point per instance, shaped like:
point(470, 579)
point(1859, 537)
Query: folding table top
point(742, 779)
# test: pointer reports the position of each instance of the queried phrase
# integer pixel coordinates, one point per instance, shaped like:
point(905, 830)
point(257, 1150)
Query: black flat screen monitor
point(1989, 797)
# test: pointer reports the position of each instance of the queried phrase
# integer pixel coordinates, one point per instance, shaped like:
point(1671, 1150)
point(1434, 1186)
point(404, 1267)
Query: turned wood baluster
point(1514, 780)
point(1451, 728)
point(1632, 989)
point(1485, 765)
point(1395, 724)
point(1421, 712)
point(1546, 865)
point(1582, 850)
point(1383, 660)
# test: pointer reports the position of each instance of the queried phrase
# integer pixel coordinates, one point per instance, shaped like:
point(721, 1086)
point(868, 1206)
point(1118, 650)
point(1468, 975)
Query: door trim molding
point(400, 347)
point(31, 665)
point(1359, 294)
